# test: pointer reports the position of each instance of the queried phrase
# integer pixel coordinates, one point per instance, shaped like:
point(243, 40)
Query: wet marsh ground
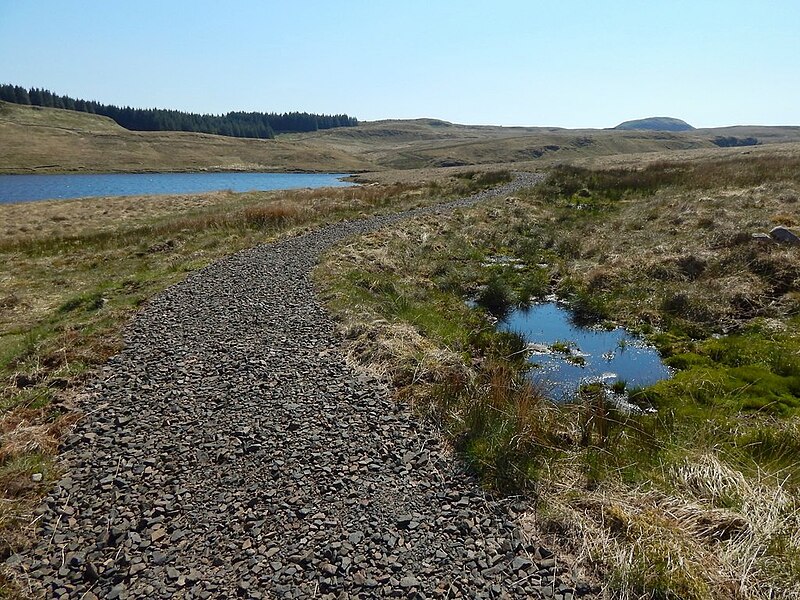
point(695, 500)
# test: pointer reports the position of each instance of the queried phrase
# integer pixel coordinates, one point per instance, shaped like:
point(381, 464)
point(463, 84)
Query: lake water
point(27, 188)
point(594, 354)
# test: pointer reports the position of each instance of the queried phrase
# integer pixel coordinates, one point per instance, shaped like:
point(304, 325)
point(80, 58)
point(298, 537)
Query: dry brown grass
point(58, 248)
point(59, 218)
point(786, 149)
point(694, 246)
point(713, 537)
point(33, 221)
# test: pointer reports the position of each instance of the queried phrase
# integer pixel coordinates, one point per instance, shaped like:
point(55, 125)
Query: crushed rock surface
point(229, 452)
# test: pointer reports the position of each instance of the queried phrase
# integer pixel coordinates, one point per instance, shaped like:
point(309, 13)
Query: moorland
point(47, 140)
point(695, 497)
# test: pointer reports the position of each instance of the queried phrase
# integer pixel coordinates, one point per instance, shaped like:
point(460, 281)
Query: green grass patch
point(755, 370)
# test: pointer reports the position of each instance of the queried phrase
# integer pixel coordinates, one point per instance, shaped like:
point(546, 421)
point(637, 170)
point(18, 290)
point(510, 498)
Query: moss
point(755, 370)
point(687, 360)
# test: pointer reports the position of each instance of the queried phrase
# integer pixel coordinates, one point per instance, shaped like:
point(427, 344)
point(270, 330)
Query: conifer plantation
point(234, 124)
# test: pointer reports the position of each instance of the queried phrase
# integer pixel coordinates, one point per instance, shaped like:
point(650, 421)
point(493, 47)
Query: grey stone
point(521, 563)
point(14, 560)
point(118, 592)
point(547, 563)
point(404, 521)
point(784, 235)
point(409, 582)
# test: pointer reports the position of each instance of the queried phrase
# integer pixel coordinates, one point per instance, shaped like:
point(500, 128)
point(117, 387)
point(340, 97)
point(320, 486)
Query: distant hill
point(36, 139)
point(656, 124)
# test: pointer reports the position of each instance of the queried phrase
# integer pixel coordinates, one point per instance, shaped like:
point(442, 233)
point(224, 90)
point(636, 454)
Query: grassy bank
point(48, 140)
point(74, 272)
point(697, 499)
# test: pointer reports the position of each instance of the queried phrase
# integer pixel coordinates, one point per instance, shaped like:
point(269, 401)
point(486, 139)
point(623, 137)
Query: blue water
point(609, 355)
point(27, 188)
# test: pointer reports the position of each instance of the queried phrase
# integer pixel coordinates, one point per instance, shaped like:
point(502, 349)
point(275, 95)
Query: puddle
point(567, 355)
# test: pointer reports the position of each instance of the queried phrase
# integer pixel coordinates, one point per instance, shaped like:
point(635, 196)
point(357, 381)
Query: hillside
point(44, 140)
point(656, 124)
point(233, 123)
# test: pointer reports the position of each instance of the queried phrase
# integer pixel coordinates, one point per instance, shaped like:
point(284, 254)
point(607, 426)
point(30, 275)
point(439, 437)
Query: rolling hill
point(46, 140)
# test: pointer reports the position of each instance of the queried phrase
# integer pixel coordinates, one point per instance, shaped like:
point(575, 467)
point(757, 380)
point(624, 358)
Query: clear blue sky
point(565, 63)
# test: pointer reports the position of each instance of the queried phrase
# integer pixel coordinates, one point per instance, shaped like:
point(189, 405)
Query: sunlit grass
point(695, 500)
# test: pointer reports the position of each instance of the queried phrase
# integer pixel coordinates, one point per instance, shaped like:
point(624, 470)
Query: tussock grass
point(712, 174)
point(696, 500)
point(718, 534)
point(502, 424)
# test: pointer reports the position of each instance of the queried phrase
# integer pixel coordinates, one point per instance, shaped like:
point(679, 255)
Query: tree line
point(235, 124)
point(732, 141)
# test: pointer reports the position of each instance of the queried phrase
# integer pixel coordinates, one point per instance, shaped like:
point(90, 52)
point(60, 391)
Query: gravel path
point(229, 451)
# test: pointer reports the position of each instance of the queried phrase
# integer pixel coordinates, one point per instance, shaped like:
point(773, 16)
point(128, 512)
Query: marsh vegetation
point(696, 499)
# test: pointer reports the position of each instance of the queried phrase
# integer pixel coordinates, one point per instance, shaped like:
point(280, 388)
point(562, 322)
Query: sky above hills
point(564, 63)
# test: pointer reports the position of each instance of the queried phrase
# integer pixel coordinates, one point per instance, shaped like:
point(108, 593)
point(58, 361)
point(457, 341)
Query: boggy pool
point(567, 355)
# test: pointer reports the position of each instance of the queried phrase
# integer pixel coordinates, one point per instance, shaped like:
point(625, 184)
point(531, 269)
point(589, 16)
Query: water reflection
point(567, 355)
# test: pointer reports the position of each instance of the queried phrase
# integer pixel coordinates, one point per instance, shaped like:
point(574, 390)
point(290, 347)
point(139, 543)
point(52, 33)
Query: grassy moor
point(694, 494)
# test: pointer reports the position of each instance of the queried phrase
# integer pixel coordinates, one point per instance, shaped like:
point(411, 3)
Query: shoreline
point(156, 184)
point(48, 170)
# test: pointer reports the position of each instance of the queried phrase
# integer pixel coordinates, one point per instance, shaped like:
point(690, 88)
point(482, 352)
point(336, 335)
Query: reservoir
point(567, 355)
point(28, 188)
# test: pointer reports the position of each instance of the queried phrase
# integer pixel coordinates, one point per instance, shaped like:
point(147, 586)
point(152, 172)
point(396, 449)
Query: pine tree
point(21, 95)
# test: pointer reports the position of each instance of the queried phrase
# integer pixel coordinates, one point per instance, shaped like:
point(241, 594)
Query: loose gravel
point(229, 452)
